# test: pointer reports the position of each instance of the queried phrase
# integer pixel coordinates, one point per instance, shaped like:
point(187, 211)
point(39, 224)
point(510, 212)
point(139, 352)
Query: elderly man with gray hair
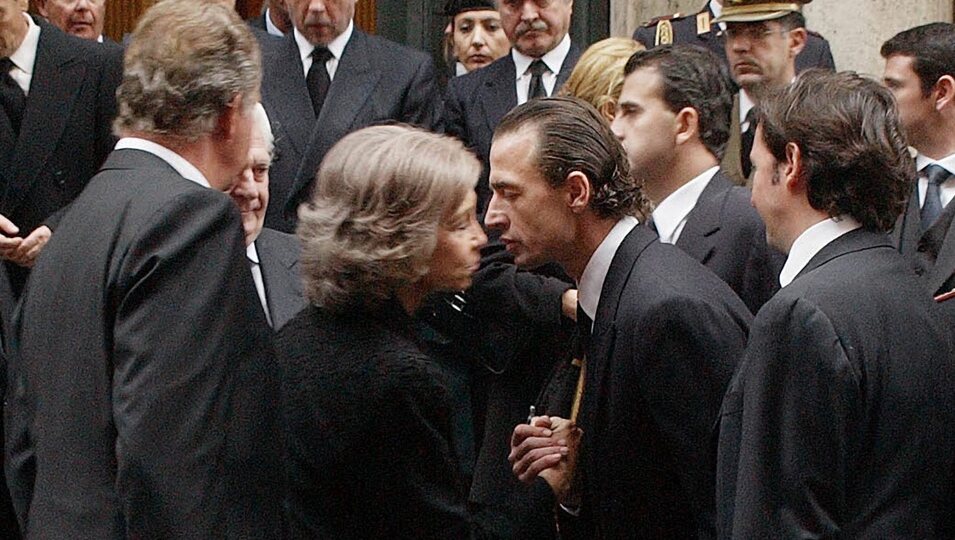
point(142, 381)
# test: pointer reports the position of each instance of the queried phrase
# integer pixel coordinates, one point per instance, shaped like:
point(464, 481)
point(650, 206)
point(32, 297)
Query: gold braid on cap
point(761, 7)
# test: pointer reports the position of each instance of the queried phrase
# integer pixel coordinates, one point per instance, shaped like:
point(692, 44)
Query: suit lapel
point(908, 228)
point(278, 271)
point(353, 85)
point(573, 55)
point(704, 220)
point(58, 76)
point(287, 84)
point(944, 266)
point(499, 91)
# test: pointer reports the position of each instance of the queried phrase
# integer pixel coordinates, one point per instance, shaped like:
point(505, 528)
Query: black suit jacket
point(476, 102)
point(142, 391)
point(278, 258)
point(376, 81)
point(816, 53)
point(667, 336)
point(66, 131)
point(931, 254)
point(725, 234)
point(841, 420)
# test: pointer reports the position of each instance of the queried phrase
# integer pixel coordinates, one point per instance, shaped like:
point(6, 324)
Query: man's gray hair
point(186, 63)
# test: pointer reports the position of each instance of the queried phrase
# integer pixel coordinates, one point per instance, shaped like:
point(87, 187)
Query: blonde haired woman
point(367, 409)
point(598, 76)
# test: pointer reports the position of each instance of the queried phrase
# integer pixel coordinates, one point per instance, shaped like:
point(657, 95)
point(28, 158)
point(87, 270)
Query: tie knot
point(936, 174)
point(321, 54)
point(538, 67)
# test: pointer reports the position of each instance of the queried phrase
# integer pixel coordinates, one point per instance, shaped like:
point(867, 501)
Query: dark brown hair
point(856, 161)
point(572, 136)
point(931, 46)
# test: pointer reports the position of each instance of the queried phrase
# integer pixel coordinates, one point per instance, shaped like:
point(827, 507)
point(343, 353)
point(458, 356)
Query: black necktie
point(746, 142)
point(11, 95)
point(932, 206)
point(536, 88)
point(317, 79)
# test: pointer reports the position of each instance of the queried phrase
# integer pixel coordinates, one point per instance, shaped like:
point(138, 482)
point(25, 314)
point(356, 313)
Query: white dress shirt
point(336, 47)
point(270, 26)
point(946, 190)
point(253, 257)
point(24, 58)
point(670, 215)
point(554, 59)
point(811, 242)
point(180, 164)
point(592, 280)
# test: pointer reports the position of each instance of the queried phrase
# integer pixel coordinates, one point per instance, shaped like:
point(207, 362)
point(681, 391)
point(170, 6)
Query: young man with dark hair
point(661, 334)
point(673, 119)
point(840, 421)
point(920, 73)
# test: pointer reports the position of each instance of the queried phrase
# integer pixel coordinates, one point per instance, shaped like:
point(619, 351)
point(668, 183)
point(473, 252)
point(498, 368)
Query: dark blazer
point(278, 258)
point(725, 234)
point(141, 395)
point(476, 102)
point(667, 336)
point(841, 420)
point(368, 429)
point(377, 81)
point(258, 22)
point(932, 254)
point(687, 29)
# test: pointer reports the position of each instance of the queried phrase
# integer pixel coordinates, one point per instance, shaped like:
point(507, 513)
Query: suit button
point(58, 176)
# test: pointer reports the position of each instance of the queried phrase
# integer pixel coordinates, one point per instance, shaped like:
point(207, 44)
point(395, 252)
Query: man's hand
point(568, 304)
point(31, 246)
point(8, 242)
point(547, 447)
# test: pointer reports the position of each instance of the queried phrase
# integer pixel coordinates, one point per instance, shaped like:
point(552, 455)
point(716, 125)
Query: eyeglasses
point(750, 32)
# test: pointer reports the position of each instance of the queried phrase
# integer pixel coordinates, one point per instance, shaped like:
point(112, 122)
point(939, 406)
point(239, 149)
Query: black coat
point(278, 258)
point(368, 429)
point(688, 30)
point(931, 254)
point(725, 234)
point(667, 336)
point(376, 81)
point(841, 420)
point(475, 103)
point(141, 390)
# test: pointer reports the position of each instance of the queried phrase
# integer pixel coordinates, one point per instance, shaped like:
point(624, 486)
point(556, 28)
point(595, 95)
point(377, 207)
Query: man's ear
point(944, 92)
point(794, 170)
point(579, 191)
point(797, 40)
point(688, 125)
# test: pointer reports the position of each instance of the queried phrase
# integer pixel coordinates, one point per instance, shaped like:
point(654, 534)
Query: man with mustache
point(326, 79)
point(762, 40)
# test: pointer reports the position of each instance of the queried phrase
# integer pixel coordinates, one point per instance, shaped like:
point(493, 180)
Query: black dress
point(368, 429)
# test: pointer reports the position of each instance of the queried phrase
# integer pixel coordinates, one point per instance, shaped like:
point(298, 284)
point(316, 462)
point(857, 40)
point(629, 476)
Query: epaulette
point(664, 24)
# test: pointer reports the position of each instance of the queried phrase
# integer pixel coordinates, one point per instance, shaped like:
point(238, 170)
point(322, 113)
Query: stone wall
point(855, 28)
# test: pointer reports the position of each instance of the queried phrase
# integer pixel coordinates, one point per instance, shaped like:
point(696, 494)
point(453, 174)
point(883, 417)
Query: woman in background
point(367, 410)
point(598, 76)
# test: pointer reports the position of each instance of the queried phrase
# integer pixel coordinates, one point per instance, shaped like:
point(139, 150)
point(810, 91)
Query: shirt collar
point(673, 210)
point(554, 58)
point(25, 56)
point(251, 253)
point(811, 242)
point(180, 164)
point(335, 46)
point(592, 280)
point(947, 162)
point(270, 26)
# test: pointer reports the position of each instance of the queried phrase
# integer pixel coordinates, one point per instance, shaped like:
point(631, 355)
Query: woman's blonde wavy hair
point(598, 76)
point(372, 222)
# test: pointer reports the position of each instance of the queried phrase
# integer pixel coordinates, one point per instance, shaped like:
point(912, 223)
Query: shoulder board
point(654, 21)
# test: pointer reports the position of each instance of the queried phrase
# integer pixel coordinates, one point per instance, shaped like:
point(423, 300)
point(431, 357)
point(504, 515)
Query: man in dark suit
point(274, 19)
point(273, 256)
point(542, 57)
point(58, 103)
point(841, 419)
point(673, 119)
point(665, 335)
point(699, 29)
point(141, 388)
point(920, 72)
point(327, 79)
